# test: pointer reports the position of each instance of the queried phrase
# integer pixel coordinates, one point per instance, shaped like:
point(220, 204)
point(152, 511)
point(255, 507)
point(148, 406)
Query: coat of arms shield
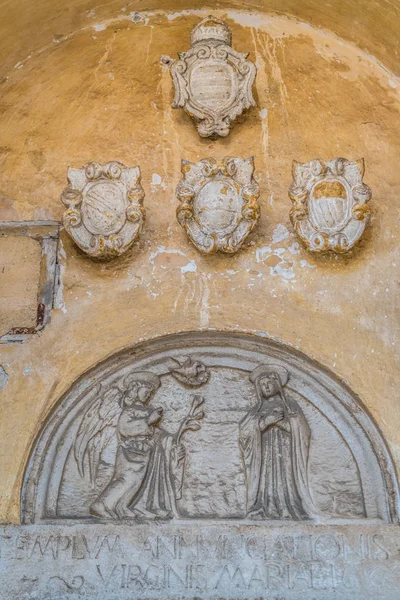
point(219, 205)
point(329, 198)
point(105, 211)
point(213, 82)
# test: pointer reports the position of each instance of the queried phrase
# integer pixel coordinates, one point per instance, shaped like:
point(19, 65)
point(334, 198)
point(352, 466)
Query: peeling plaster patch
point(3, 378)
point(189, 267)
point(186, 13)
point(294, 248)
point(280, 233)
point(274, 259)
point(100, 26)
point(254, 20)
point(156, 180)
point(305, 263)
point(263, 113)
point(263, 253)
point(392, 83)
point(231, 272)
point(27, 371)
point(285, 272)
point(18, 65)
point(279, 252)
point(91, 14)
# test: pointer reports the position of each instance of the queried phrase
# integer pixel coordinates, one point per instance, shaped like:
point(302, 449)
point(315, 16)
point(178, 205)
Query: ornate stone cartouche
point(213, 82)
point(105, 211)
point(329, 211)
point(219, 205)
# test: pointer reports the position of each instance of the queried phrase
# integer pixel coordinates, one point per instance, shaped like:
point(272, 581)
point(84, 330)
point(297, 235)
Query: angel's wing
point(96, 430)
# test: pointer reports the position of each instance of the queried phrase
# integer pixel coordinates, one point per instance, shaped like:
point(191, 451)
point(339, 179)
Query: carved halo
point(268, 371)
point(143, 377)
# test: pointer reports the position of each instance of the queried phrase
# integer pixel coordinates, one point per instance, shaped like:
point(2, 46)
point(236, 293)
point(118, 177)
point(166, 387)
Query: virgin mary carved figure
point(274, 439)
point(149, 464)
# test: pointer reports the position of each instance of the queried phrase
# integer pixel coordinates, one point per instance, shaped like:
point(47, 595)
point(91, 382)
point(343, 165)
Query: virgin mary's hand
point(272, 419)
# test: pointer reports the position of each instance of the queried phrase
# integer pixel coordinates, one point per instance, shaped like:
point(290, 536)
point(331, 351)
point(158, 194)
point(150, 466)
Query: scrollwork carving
point(213, 83)
point(219, 206)
point(105, 211)
point(329, 209)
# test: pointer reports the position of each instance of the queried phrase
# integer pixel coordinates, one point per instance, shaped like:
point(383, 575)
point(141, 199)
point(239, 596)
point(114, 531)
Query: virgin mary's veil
point(270, 371)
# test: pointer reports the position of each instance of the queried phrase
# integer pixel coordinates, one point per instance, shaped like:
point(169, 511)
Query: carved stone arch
point(344, 438)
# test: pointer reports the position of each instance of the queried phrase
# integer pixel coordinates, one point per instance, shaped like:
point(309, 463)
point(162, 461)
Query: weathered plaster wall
point(20, 272)
point(101, 95)
point(28, 27)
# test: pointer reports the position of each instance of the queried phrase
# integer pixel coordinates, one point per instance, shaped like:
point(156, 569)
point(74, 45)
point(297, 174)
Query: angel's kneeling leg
point(125, 484)
point(98, 509)
point(106, 504)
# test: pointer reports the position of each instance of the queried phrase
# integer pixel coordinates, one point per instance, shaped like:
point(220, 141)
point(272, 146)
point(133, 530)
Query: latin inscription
point(229, 562)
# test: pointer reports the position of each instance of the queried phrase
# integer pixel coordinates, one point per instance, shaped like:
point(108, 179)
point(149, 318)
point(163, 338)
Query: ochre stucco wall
point(20, 268)
point(103, 95)
point(28, 27)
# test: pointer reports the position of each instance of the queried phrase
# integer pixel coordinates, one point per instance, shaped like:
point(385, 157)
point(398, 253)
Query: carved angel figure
point(149, 465)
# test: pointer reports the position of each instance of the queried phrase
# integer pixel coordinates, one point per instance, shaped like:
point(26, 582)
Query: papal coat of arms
point(219, 205)
point(105, 211)
point(329, 198)
point(213, 82)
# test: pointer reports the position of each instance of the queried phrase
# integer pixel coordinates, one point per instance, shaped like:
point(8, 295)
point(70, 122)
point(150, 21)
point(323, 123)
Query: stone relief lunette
point(213, 82)
point(329, 211)
point(216, 428)
point(218, 203)
point(105, 213)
